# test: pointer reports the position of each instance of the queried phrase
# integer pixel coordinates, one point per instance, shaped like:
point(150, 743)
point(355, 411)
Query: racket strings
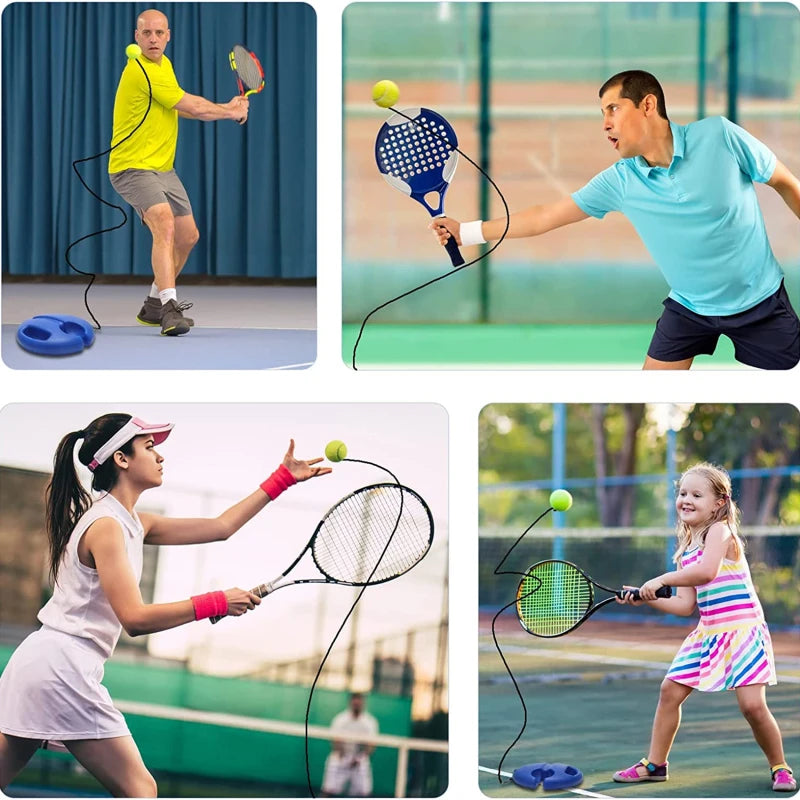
point(452, 271)
point(373, 536)
point(553, 597)
point(247, 69)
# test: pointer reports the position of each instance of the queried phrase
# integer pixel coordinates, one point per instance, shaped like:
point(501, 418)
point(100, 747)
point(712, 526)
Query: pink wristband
point(278, 482)
point(211, 604)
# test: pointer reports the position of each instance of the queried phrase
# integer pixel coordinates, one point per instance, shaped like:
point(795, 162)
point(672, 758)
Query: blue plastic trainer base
point(551, 776)
point(55, 334)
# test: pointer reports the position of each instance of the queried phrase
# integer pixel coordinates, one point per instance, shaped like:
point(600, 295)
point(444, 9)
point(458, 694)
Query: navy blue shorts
point(766, 336)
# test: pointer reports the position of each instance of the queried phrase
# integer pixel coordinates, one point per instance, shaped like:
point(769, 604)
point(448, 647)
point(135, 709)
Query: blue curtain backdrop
point(252, 187)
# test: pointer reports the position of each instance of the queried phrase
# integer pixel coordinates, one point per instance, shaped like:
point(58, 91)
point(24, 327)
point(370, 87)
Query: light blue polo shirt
point(699, 217)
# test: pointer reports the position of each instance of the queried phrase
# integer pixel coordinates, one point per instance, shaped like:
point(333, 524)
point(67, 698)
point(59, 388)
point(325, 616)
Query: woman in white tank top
point(50, 691)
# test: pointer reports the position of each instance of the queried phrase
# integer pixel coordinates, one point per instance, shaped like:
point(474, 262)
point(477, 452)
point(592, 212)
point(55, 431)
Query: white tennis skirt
point(51, 690)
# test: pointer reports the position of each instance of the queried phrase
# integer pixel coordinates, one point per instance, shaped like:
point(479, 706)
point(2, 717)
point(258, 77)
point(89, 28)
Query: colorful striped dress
point(731, 645)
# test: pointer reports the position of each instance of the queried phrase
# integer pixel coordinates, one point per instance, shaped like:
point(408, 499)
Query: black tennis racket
point(248, 69)
point(373, 535)
point(416, 153)
point(555, 597)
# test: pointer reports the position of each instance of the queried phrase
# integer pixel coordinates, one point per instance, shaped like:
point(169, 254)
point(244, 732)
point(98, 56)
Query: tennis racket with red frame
point(248, 69)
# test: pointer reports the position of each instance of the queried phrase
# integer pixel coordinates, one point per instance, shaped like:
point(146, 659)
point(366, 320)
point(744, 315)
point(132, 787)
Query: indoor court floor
point(236, 327)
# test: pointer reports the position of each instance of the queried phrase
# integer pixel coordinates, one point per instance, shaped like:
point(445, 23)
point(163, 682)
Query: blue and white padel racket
point(418, 157)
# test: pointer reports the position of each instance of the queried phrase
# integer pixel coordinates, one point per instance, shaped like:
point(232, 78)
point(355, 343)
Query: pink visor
point(132, 428)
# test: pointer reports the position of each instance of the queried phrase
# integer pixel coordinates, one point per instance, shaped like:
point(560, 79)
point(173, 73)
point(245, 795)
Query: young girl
point(50, 691)
point(731, 646)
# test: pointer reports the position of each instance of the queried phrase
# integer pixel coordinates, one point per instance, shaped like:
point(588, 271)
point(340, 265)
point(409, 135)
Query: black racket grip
point(663, 591)
point(455, 254)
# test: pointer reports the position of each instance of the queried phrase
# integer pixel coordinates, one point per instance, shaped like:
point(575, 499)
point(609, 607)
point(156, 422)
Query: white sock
point(168, 294)
point(153, 291)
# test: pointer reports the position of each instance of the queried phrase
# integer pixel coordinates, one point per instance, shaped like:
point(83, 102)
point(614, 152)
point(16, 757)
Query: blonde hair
point(720, 483)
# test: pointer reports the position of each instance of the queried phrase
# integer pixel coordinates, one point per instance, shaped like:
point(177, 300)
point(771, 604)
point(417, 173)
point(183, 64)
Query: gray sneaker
point(173, 323)
point(151, 312)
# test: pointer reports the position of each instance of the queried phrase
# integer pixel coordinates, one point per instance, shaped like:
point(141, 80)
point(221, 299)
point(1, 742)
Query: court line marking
point(294, 366)
point(578, 656)
point(537, 163)
point(582, 792)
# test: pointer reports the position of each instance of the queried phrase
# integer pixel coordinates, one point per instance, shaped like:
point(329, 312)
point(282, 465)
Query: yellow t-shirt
point(153, 145)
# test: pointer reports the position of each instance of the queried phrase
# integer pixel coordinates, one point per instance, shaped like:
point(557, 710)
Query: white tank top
point(78, 605)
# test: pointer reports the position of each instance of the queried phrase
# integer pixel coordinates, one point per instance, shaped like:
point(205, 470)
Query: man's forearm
point(193, 106)
point(212, 112)
point(534, 220)
point(521, 224)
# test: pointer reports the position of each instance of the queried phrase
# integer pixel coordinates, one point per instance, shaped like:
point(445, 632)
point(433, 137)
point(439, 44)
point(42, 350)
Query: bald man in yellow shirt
point(141, 169)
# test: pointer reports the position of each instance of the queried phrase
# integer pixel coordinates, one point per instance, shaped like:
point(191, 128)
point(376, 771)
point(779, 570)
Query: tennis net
point(627, 555)
point(196, 753)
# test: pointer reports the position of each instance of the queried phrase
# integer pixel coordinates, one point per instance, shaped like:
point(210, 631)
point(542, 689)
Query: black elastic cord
point(93, 275)
point(352, 608)
point(452, 271)
point(497, 571)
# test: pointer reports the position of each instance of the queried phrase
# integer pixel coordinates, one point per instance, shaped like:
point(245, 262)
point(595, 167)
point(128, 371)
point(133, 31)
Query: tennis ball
point(335, 450)
point(133, 51)
point(385, 93)
point(561, 500)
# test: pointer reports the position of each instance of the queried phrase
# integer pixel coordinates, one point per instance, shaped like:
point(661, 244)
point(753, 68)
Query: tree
point(616, 504)
point(746, 436)
point(602, 441)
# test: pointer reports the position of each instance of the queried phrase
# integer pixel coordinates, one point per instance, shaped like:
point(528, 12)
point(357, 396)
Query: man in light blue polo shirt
point(688, 191)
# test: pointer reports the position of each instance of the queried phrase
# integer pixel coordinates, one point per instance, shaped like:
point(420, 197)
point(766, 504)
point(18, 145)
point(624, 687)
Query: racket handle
point(455, 254)
point(663, 591)
point(262, 590)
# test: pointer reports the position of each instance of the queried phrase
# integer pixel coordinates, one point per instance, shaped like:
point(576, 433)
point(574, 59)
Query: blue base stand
point(551, 776)
point(55, 334)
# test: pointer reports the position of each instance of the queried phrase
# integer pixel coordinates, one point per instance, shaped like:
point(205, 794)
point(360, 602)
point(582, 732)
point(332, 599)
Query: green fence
point(197, 750)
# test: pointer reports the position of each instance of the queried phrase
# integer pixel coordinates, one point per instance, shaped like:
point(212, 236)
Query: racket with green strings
point(554, 597)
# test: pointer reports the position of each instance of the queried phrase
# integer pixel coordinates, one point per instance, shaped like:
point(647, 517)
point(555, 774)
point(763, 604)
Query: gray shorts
point(143, 188)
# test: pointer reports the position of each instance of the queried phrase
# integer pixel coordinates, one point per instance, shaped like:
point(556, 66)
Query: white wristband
point(471, 233)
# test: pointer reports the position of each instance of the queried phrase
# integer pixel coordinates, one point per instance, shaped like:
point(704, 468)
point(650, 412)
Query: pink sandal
point(652, 772)
point(782, 779)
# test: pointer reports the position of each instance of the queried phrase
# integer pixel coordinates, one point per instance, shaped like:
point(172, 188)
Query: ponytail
point(66, 500)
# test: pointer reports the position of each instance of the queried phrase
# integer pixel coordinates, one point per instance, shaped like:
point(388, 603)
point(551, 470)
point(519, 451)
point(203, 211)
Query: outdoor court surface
point(591, 697)
point(236, 327)
point(511, 346)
